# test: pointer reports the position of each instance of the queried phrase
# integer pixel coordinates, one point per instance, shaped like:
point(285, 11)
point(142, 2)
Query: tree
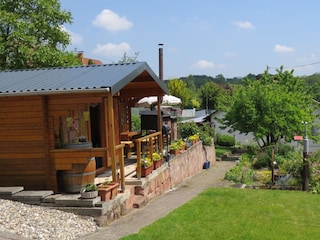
point(209, 95)
point(190, 83)
point(31, 34)
point(127, 59)
point(178, 88)
point(272, 107)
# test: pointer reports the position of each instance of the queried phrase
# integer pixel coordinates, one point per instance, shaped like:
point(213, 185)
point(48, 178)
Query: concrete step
point(31, 197)
point(233, 158)
point(74, 200)
point(84, 211)
point(139, 201)
point(7, 192)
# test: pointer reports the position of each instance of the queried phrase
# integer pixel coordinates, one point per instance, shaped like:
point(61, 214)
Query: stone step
point(74, 200)
point(31, 197)
point(7, 192)
point(139, 201)
point(84, 211)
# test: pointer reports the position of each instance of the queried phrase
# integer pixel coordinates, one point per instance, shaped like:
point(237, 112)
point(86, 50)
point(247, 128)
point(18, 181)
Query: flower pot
point(114, 189)
point(108, 191)
point(145, 171)
point(157, 164)
point(89, 195)
point(174, 151)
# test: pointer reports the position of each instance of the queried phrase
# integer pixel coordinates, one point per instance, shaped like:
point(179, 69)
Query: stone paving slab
point(74, 200)
point(7, 192)
point(31, 197)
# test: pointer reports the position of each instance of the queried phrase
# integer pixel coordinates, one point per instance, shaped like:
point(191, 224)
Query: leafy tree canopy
point(178, 88)
point(212, 96)
point(271, 107)
point(31, 34)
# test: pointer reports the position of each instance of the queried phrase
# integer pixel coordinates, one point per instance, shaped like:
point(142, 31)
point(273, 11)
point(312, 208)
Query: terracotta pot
point(108, 191)
point(175, 151)
point(145, 171)
point(157, 164)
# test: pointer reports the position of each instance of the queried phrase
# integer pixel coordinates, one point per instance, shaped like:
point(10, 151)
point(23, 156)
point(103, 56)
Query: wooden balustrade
point(153, 140)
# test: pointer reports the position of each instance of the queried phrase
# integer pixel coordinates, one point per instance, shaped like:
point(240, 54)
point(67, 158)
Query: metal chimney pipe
point(160, 61)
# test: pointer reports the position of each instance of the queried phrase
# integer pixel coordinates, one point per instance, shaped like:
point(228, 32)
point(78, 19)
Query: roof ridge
point(68, 67)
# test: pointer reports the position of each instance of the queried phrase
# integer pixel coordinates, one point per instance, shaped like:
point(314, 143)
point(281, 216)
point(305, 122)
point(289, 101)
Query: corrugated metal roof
point(111, 77)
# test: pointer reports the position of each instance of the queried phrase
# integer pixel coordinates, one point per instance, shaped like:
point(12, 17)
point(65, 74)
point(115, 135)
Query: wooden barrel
point(81, 174)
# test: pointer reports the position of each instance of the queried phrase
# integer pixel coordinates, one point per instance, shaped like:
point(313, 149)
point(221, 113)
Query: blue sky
point(203, 37)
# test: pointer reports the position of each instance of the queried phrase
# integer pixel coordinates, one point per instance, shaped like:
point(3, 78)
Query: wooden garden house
point(57, 119)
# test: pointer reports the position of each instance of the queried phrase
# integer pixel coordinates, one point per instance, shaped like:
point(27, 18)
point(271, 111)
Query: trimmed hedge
point(225, 140)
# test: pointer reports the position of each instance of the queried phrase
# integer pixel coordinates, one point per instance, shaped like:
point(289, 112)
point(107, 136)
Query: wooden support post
point(160, 124)
point(121, 161)
point(138, 159)
point(111, 135)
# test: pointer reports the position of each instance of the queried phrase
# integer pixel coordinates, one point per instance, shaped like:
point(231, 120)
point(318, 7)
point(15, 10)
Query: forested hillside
point(202, 91)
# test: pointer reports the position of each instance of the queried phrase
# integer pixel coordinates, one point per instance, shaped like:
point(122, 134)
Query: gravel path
point(36, 222)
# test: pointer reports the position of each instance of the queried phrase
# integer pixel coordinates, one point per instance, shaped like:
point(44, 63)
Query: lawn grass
point(220, 150)
point(227, 213)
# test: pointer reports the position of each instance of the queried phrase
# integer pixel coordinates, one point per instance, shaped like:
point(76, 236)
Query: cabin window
point(73, 130)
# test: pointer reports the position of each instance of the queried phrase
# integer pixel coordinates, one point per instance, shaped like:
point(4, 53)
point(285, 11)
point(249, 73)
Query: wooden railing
point(153, 140)
point(120, 147)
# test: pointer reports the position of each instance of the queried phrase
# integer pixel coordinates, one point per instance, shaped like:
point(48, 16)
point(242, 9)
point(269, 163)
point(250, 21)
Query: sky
point(200, 37)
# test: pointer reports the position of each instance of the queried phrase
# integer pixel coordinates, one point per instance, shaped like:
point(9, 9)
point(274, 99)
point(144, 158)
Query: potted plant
point(90, 190)
point(194, 138)
point(108, 190)
point(157, 160)
point(174, 148)
point(181, 144)
point(146, 166)
point(188, 143)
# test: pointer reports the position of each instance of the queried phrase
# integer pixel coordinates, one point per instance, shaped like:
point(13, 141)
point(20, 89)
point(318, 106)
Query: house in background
point(64, 120)
point(88, 61)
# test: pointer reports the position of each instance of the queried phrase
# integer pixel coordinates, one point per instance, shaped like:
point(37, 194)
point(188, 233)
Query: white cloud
point(203, 64)
point(244, 25)
point(111, 49)
point(111, 21)
point(75, 38)
point(282, 49)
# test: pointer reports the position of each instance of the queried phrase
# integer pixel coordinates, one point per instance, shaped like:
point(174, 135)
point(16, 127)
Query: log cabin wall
point(23, 142)
point(70, 123)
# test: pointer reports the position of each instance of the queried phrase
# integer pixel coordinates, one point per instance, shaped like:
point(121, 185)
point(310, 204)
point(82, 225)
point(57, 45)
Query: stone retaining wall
point(180, 167)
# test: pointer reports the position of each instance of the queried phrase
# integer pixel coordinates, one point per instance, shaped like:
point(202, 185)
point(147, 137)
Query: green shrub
point(252, 149)
point(225, 140)
point(205, 138)
point(206, 128)
point(188, 129)
point(205, 132)
point(135, 122)
point(262, 160)
point(241, 173)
